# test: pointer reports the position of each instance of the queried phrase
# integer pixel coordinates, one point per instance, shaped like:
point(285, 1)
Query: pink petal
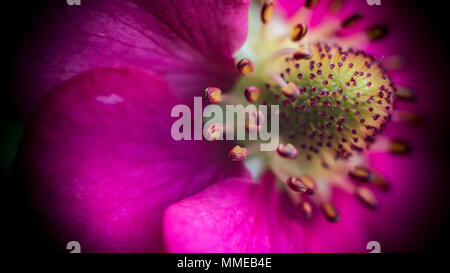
point(189, 43)
point(102, 165)
point(237, 215)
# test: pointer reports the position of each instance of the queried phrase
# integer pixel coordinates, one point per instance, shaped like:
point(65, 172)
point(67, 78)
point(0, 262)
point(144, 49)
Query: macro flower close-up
point(120, 154)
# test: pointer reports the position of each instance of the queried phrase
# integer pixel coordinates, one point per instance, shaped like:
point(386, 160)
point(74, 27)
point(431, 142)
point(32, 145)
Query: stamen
point(361, 174)
point(252, 93)
point(302, 53)
point(305, 209)
point(295, 184)
point(214, 132)
point(267, 11)
point(377, 32)
point(366, 197)
point(299, 32)
point(351, 20)
point(287, 151)
point(238, 153)
point(405, 94)
point(304, 184)
point(279, 80)
point(309, 183)
point(398, 146)
point(311, 3)
point(255, 121)
point(380, 182)
point(213, 95)
point(290, 90)
point(282, 52)
point(407, 117)
point(335, 6)
point(245, 66)
point(330, 212)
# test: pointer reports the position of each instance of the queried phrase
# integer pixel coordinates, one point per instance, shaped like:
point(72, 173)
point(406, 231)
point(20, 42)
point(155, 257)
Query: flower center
point(333, 100)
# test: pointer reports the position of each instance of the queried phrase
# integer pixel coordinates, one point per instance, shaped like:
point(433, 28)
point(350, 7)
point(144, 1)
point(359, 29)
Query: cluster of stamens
point(333, 102)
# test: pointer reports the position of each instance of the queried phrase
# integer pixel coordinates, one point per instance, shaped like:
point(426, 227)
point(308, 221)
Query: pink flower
point(98, 84)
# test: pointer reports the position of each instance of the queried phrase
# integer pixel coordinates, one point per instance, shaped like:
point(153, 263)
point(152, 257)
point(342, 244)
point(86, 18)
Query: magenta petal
point(237, 215)
point(290, 7)
point(188, 43)
point(102, 165)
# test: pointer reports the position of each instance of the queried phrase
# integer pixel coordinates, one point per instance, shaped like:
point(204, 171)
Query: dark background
point(24, 233)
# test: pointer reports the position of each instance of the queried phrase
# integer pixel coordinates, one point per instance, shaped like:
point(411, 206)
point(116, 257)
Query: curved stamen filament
point(282, 52)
